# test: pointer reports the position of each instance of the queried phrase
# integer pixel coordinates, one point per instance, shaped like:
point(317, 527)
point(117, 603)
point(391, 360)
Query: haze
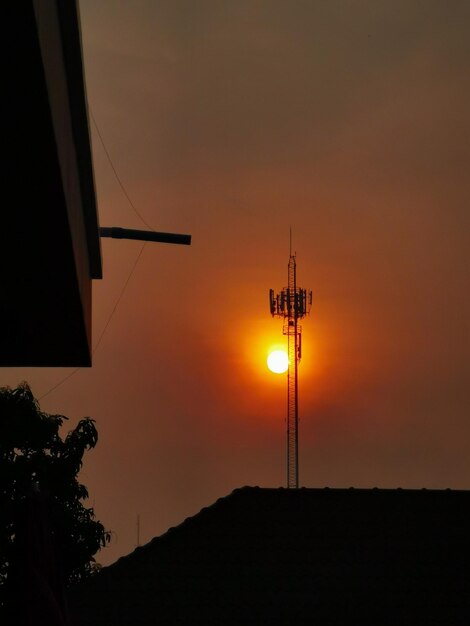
point(233, 121)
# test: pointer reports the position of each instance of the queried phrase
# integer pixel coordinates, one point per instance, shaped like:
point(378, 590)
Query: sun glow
point(278, 361)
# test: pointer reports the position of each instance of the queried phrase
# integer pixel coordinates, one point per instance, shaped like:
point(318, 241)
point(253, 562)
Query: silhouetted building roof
point(306, 556)
point(50, 247)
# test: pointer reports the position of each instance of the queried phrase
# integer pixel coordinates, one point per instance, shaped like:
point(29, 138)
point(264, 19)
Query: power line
point(70, 374)
point(61, 382)
point(116, 174)
point(119, 299)
point(124, 287)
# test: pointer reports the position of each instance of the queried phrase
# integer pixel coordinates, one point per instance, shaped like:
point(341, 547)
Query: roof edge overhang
point(67, 83)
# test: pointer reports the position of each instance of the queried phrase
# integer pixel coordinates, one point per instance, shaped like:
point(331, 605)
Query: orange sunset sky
point(232, 121)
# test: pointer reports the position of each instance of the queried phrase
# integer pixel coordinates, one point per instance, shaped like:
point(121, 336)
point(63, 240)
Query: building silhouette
point(296, 556)
point(50, 246)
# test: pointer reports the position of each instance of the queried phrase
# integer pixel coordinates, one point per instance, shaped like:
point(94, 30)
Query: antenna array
point(292, 304)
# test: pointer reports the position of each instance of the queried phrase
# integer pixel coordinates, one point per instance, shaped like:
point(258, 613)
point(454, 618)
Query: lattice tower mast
point(292, 304)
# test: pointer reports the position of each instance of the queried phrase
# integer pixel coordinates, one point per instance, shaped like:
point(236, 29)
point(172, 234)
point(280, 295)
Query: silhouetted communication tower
point(292, 304)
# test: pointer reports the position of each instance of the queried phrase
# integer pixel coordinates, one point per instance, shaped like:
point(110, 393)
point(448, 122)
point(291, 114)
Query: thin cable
point(61, 382)
point(116, 174)
point(119, 299)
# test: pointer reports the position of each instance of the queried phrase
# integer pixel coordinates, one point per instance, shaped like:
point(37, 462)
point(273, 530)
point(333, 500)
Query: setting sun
point(278, 361)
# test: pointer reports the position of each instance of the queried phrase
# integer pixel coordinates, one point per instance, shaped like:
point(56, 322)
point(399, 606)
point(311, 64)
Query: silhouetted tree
point(47, 536)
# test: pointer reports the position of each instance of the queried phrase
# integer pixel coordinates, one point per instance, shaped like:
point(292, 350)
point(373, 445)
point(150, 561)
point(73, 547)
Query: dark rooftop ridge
point(293, 556)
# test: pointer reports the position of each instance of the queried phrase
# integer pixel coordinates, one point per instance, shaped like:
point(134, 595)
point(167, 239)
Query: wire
point(124, 287)
point(61, 382)
point(119, 299)
point(117, 175)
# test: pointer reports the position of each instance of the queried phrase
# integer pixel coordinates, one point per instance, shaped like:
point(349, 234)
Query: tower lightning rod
point(292, 304)
point(144, 235)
